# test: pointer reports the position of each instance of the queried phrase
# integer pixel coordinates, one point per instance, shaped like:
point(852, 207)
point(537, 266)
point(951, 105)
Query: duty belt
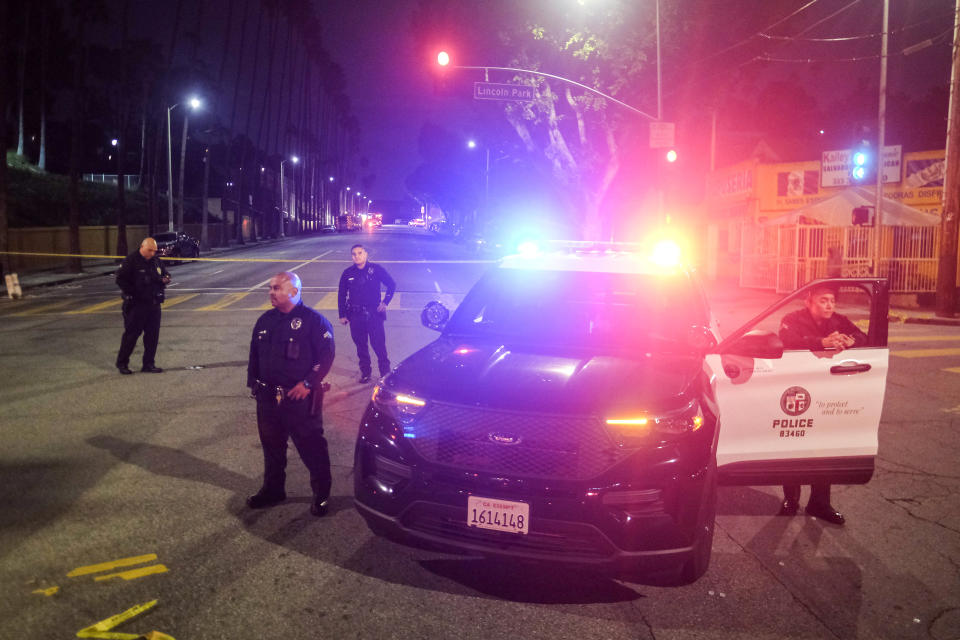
point(278, 392)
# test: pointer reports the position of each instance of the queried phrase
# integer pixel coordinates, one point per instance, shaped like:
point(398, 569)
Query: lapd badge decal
point(296, 323)
point(795, 401)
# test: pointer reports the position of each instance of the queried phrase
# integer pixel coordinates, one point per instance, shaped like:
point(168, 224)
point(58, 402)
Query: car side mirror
point(757, 344)
point(434, 316)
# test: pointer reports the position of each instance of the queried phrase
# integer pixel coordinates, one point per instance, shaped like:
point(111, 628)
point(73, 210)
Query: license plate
point(498, 515)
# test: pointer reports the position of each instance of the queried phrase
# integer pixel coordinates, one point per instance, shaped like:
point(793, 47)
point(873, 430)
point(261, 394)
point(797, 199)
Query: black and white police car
point(580, 407)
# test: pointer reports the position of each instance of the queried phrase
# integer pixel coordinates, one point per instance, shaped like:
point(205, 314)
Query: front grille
point(513, 443)
point(567, 540)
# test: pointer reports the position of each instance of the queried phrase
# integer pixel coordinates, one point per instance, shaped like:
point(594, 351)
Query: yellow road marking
point(923, 338)
point(328, 301)
point(97, 307)
point(49, 591)
point(225, 301)
point(953, 369)
point(133, 574)
point(337, 261)
point(42, 308)
point(113, 564)
point(102, 629)
point(178, 299)
point(925, 353)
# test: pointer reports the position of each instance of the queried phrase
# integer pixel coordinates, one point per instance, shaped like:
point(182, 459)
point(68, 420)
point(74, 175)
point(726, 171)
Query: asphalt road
point(99, 468)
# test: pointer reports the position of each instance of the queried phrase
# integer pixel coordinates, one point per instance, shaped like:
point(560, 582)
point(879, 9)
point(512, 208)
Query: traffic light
point(671, 156)
point(863, 164)
point(443, 58)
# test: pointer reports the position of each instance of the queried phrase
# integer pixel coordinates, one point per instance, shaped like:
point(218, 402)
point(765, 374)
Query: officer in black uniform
point(142, 279)
point(359, 304)
point(291, 351)
point(819, 328)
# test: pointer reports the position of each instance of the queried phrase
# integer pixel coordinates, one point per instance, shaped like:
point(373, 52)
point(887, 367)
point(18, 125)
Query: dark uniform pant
point(364, 326)
point(819, 493)
point(139, 317)
point(291, 419)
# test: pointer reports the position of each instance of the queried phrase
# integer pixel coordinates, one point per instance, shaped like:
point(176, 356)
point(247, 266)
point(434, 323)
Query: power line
point(867, 36)
point(749, 38)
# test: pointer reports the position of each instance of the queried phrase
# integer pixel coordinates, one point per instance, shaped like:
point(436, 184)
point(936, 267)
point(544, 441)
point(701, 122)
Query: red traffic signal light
point(443, 58)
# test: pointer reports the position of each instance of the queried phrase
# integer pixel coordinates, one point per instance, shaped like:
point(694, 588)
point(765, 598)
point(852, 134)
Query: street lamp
point(283, 200)
point(195, 104)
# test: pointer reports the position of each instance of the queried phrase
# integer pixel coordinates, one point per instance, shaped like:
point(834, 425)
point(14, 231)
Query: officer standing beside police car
point(360, 306)
point(291, 350)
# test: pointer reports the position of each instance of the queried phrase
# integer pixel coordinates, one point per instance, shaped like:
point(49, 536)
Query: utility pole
point(881, 141)
point(947, 266)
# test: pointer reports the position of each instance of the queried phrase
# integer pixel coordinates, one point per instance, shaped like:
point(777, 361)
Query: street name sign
point(498, 91)
point(661, 135)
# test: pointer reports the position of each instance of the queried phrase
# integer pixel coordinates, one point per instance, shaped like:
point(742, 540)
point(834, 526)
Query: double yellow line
point(274, 260)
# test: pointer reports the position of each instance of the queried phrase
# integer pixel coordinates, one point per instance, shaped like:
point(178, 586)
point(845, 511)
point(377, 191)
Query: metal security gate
point(785, 257)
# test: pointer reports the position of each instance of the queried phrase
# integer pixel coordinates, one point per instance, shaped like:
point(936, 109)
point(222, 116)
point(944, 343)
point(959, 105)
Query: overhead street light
point(195, 103)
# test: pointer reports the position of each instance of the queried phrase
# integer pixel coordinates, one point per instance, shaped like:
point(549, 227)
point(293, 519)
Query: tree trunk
point(76, 151)
point(121, 141)
point(183, 158)
point(44, 43)
point(4, 241)
point(22, 72)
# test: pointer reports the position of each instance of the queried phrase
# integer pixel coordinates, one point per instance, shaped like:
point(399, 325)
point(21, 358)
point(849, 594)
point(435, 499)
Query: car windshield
point(165, 237)
point(603, 312)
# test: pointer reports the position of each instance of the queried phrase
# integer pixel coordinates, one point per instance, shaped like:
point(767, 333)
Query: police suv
point(580, 407)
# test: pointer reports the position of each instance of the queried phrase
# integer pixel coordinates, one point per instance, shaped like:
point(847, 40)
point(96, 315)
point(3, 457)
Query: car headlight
point(402, 406)
point(642, 427)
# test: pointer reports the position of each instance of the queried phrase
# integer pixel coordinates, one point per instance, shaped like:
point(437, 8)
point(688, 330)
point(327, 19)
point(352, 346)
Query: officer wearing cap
point(819, 328)
point(142, 279)
point(291, 351)
point(360, 306)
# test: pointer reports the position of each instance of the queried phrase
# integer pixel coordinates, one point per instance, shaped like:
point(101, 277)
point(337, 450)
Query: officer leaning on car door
point(359, 304)
point(291, 351)
point(142, 279)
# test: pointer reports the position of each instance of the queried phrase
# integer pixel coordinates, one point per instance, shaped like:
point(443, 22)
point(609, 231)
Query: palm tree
point(44, 43)
point(4, 258)
point(21, 72)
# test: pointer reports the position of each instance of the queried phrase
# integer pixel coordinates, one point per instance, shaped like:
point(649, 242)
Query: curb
point(945, 322)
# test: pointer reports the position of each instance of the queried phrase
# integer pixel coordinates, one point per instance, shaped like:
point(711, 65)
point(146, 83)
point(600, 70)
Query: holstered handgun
point(316, 398)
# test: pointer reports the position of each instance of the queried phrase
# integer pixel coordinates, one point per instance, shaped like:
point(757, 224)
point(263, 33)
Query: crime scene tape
point(179, 259)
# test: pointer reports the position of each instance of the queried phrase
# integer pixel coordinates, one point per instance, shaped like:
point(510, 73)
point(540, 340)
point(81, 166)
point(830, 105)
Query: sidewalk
point(97, 268)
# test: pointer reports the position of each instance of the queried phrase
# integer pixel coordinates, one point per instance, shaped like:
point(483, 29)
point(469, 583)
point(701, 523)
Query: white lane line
point(437, 286)
point(314, 259)
point(428, 270)
point(217, 271)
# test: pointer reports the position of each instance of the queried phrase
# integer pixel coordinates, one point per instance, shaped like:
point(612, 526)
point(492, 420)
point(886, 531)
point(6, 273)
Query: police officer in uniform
point(819, 328)
point(360, 306)
point(142, 279)
point(291, 351)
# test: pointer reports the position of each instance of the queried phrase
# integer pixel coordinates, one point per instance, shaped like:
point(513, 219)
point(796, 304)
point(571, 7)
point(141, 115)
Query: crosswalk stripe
point(177, 300)
point(925, 353)
point(225, 301)
point(97, 307)
point(923, 338)
point(328, 301)
point(42, 308)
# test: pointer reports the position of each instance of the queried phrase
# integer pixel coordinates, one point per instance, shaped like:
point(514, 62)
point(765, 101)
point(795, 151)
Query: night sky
point(391, 87)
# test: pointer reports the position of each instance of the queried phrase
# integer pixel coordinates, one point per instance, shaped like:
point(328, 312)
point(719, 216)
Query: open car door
point(802, 416)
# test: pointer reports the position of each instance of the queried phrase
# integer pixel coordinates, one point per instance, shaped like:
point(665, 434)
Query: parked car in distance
point(328, 228)
point(176, 244)
point(417, 222)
